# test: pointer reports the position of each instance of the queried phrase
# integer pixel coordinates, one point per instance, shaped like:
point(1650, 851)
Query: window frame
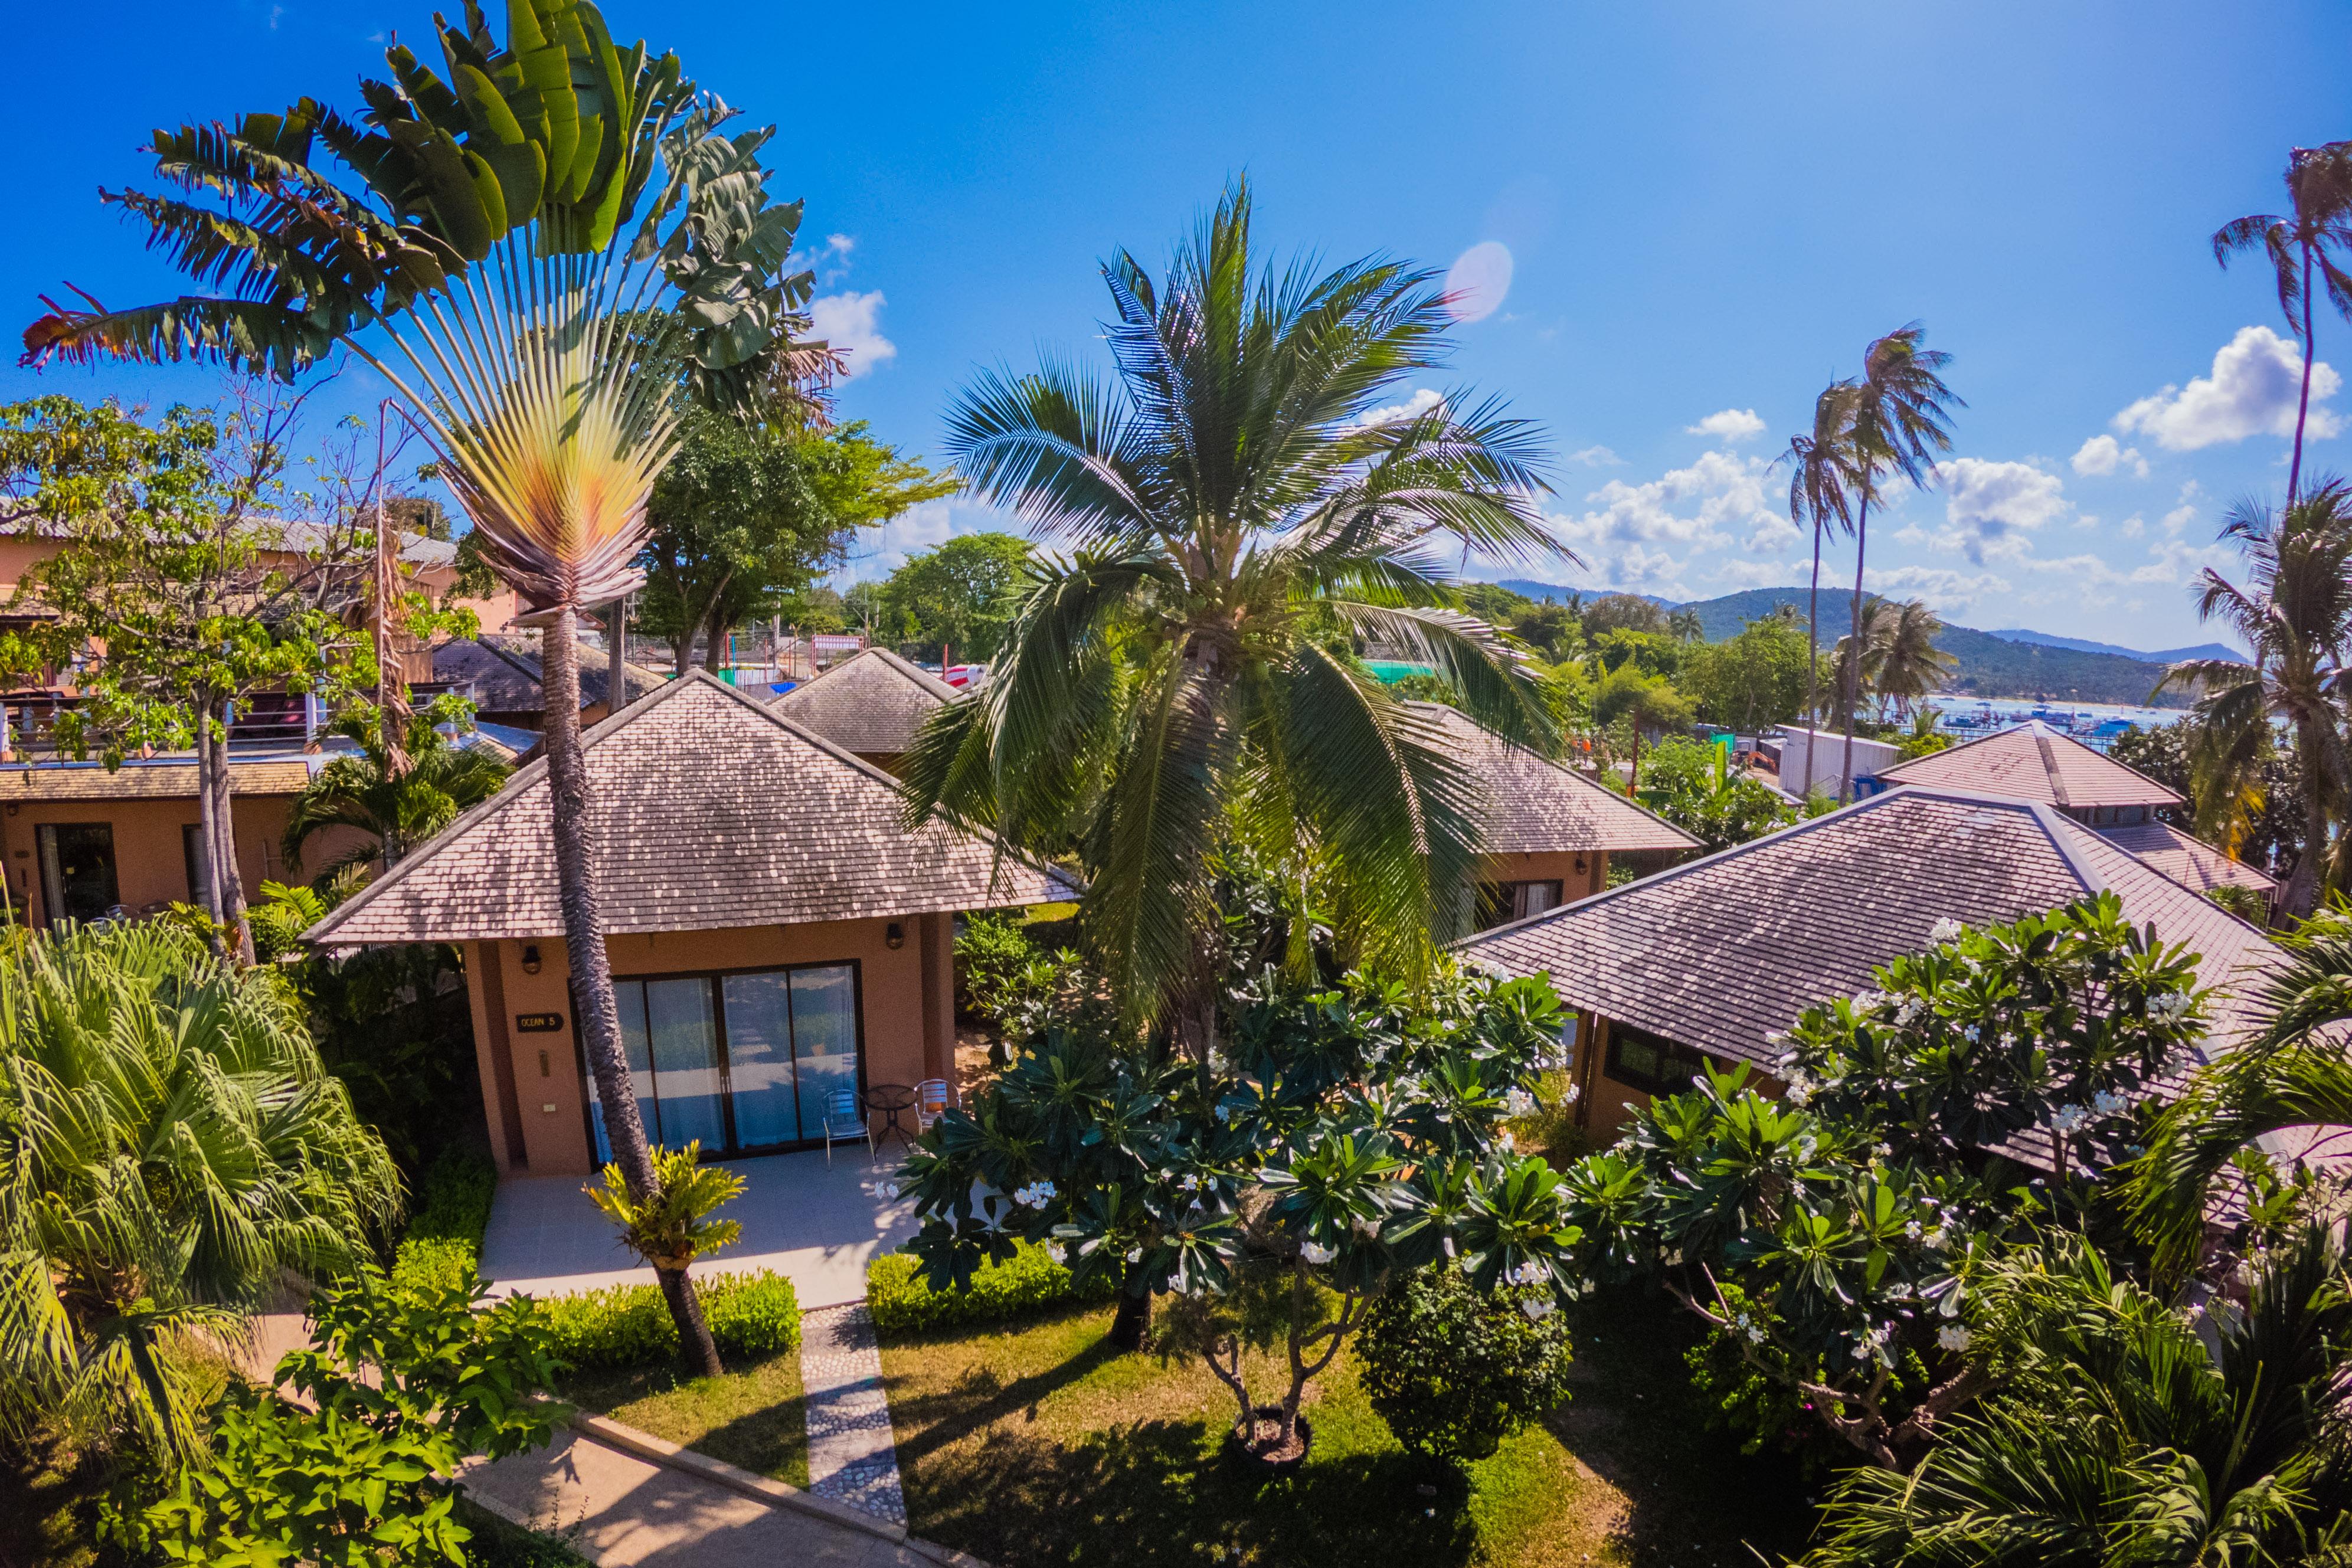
point(718, 1024)
point(1611, 1063)
point(46, 855)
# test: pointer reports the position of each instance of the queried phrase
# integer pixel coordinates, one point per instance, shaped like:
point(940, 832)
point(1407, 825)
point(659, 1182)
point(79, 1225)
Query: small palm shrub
point(1454, 1370)
point(1026, 1285)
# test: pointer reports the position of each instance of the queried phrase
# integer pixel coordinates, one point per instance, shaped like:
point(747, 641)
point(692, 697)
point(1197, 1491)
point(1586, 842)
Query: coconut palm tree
point(1820, 488)
point(1242, 510)
point(2318, 221)
point(398, 797)
point(170, 1148)
point(2296, 614)
point(1899, 423)
point(2126, 1433)
point(1900, 662)
point(513, 252)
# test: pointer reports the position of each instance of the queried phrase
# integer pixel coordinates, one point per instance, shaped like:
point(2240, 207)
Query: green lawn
point(751, 1417)
point(1037, 1445)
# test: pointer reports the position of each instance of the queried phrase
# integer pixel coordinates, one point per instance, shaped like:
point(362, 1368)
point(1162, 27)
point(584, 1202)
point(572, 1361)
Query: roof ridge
point(2049, 761)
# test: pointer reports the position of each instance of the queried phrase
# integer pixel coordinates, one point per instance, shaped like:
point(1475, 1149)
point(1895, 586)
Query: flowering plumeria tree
point(1831, 1235)
point(1351, 1133)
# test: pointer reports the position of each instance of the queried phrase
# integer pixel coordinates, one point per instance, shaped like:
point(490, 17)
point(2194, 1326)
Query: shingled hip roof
point(1536, 806)
point(707, 810)
point(1725, 952)
point(874, 703)
point(2193, 862)
point(2034, 762)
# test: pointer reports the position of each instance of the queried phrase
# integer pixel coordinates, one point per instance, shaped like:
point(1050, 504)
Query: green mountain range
point(1990, 665)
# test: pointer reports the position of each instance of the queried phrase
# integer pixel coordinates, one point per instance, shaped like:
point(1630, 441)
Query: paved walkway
point(623, 1499)
point(817, 1224)
point(851, 1455)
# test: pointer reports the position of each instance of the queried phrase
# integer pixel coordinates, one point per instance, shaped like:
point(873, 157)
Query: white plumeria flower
point(2107, 1102)
point(1572, 1096)
point(1537, 1308)
point(1946, 930)
point(1955, 1336)
point(1528, 1273)
point(889, 1190)
point(1363, 1227)
point(1518, 1103)
point(1316, 1254)
point(1936, 1240)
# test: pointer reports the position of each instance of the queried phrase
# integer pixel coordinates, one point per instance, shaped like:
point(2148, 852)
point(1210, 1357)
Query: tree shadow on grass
point(1161, 1492)
point(930, 1422)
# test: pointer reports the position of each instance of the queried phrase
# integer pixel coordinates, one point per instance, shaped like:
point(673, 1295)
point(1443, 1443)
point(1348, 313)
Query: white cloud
point(1988, 505)
point(2253, 391)
point(851, 323)
point(1479, 281)
point(2105, 455)
point(1596, 457)
point(1651, 535)
point(1413, 407)
point(1947, 591)
point(1732, 424)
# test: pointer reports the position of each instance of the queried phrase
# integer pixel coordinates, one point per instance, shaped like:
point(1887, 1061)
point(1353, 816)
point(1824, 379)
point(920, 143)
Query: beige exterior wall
point(150, 866)
point(1578, 875)
point(905, 997)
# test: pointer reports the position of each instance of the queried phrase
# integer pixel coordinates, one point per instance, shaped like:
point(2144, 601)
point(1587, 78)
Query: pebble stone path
point(851, 1456)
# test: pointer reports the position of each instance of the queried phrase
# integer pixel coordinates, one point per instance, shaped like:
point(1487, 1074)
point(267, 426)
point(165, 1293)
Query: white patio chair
point(932, 1098)
point(845, 1119)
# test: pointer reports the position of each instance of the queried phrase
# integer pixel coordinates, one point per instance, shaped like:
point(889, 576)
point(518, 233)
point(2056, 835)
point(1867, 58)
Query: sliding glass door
point(741, 1062)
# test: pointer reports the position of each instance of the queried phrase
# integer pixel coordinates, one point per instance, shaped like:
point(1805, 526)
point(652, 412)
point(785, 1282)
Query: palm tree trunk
point(599, 1018)
point(1813, 663)
point(1853, 682)
point(1633, 782)
point(2303, 408)
point(231, 887)
point(2303, 885)
point(208, 826)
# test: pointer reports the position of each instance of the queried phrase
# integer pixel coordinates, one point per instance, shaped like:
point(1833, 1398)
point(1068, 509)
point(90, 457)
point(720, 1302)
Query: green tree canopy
point(1755, 680)
point(959, 596)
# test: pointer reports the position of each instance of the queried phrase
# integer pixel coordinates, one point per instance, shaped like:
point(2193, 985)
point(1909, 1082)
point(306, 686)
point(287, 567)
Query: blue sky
point(1708, 209)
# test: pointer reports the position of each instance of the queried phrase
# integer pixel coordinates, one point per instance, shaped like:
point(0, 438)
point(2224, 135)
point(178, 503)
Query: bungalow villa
point(2034, 762)
point(1550, 830)
point(776, 936)
point(871, 705)
point(1708, 961)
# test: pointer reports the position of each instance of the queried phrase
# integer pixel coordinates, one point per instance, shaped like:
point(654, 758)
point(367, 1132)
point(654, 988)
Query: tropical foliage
point(1241, 512)
point(1694, 786)
point(2307, 247)
point(669, 1227)
point(171, 1149)
point(955, 600)
point(394, 797)
point(1454, 1370)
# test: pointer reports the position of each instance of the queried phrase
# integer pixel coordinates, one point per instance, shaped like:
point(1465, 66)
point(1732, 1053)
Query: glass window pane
point(824, 1037)
point(759, 1059)
point(630, 997)
point(78, 868)
point(684, 1035)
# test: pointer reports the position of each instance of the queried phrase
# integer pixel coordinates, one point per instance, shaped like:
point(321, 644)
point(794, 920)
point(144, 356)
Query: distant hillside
point(1991, 664)
point(1553, 593)
point(2160, 656)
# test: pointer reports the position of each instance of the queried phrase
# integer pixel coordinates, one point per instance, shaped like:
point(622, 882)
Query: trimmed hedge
point(751, 1317)
point(444, 1236)
point(1029, 1283)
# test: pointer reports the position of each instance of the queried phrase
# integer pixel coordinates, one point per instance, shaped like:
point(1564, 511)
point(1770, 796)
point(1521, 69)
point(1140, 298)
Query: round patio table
point(889, 1099)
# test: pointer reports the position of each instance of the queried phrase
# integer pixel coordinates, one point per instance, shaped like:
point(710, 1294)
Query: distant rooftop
point(2035, 762)
point(873, 702)
point(1537, 806)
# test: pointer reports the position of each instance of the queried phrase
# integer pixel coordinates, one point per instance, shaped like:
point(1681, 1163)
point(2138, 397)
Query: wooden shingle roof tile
point(873, 702)
point(707, 810)
point(2034, 762)
point(1535, 805)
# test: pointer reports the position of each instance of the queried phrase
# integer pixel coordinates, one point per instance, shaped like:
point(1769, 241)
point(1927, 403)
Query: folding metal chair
point(843, 1118)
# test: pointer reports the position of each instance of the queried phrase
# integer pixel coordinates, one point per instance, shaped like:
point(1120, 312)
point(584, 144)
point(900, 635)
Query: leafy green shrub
point(1031, 1282)
point(751, 1316)
point(1550, 1129)
point(1454, 1370)
point(990, 951)
point(444, 1243)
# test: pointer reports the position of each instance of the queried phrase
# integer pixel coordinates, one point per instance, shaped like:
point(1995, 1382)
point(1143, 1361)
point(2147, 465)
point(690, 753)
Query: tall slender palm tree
point(1241, 512)
point(395, 795)
point(1820, 488)
point(2296, 614)
point(1900, 421)
point(2299, 243)
point(519, 247)
point(170, 1148)
point(1900, 661)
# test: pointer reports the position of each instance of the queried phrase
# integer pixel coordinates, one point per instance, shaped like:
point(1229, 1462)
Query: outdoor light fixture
point(893, 935)
point(530, 958)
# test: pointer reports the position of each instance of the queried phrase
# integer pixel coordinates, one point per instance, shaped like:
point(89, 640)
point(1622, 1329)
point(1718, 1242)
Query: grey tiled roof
point(1723, 952)
point(873, 702)
point(707, 810)
point(1535, 805)
point(2191, 863)
point(2034, 762)
point(506, 672)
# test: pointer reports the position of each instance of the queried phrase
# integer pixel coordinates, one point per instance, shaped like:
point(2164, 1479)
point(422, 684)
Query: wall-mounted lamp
point(893, 935)
point(531, 958)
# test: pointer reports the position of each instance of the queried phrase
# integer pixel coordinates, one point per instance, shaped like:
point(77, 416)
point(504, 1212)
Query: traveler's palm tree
point(1821, 495)
point(2295, 613)
point(170, 1148)
point(518, 248)
point(2303, 246)
point(396, 798)
point(2124, 1434)
point(1900, 420)
point(1240, 510)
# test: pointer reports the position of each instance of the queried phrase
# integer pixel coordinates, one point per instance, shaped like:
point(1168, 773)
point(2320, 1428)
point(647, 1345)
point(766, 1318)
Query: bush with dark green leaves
point(751, 1317)
point(1030, 1283)
point(445, 1237)
point(1453, 1369)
